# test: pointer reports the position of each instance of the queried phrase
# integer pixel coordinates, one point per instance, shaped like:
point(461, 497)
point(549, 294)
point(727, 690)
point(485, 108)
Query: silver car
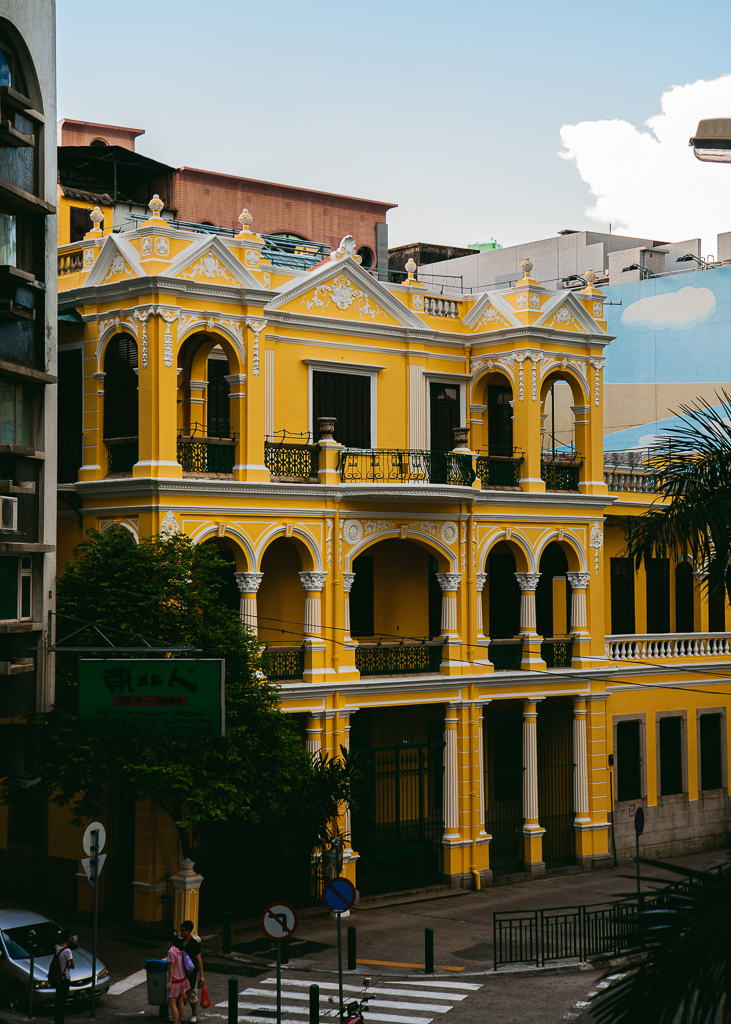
point(16, 942)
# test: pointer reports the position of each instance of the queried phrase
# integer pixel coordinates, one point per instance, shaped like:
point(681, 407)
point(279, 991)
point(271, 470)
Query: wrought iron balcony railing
point(201, 454)
point(560, 469)
point(122, 454)
point(284, 662)
point(291, 461)
point(506, 653)
point(499, 466)
point(392, 658)
point(403, 466)
point(556, 651)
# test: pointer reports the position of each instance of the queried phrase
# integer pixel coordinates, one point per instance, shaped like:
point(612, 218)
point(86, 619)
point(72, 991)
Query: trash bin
point(157, 982)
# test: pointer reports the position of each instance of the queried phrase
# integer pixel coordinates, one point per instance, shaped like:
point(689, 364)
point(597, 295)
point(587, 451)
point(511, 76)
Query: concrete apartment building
point(555, 259)
point(101, 160)
point(27, 381)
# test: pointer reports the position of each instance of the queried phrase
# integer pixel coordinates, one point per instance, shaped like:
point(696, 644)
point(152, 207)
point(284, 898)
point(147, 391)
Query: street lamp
point(703, 264)
point(712, 140)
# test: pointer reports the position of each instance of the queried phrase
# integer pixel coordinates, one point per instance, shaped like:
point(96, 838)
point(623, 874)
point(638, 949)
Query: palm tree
point(693, 474)
point(686, 974)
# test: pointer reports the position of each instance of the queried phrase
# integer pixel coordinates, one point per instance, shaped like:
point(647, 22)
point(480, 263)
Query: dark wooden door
point(347, 397)
point(499, 420)
point(219, 419)
point(445, 415)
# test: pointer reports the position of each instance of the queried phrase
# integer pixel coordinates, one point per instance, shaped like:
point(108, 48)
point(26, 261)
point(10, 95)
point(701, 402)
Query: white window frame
point(460, 379)
point(22, 574)
point(352, 370)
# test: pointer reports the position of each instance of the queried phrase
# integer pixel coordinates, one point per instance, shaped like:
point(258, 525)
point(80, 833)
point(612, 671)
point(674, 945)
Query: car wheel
point(18, 998)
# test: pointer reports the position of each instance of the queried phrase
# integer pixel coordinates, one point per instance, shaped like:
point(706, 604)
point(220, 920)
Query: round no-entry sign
point(339, 895)
point(639, 821)
point(279, 921)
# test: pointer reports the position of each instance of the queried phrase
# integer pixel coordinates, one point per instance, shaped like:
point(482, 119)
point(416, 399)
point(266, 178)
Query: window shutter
point(120, 388)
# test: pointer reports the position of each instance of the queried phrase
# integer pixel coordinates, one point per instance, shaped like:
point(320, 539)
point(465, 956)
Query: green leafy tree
point(257, 777)
point(693, 472)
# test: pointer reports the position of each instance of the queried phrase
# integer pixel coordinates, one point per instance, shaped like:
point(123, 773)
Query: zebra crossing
point(390, 1002)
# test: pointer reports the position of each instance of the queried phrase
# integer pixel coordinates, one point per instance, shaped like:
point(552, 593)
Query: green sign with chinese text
point(152, 697)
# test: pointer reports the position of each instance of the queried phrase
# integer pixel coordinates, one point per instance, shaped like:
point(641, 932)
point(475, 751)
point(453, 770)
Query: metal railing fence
point(404, 466)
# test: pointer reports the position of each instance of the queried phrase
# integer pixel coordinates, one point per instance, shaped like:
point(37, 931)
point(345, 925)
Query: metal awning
point(119, 172)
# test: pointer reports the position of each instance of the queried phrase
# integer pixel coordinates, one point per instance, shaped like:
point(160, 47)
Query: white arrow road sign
point(95, 826)
point(88, 866)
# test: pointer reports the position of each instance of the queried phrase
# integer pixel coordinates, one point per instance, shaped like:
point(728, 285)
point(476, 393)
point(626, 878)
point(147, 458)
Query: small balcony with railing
point(630, 470)
point(561, 468)
point(291, 457)
point(405, 466)
point(642, 648)
point(203, 455)
point(498, 468)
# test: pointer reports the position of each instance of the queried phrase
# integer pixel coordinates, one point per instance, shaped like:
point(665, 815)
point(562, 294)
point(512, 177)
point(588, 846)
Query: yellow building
point(438, 586)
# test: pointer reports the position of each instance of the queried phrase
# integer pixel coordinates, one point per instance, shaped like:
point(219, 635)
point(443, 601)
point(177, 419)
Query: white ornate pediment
point(564, 312)
point(491, 313)
point(118, 260)
point(208, 261)
point(343, 289)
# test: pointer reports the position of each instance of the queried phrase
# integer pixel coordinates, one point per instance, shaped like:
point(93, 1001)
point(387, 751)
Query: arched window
point(219, 417)
point(120, 388)
point(367, 258)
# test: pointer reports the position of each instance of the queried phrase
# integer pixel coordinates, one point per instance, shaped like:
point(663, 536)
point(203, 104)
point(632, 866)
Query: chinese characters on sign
point(152, 697)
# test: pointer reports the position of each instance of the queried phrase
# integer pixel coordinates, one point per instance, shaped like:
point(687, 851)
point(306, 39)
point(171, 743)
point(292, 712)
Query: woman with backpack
point(178, 983)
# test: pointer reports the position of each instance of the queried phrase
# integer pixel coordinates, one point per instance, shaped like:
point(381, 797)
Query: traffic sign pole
point(279, 983)
point(340, 964)
point(279, 922)
point(339, 896)
point(95, 856)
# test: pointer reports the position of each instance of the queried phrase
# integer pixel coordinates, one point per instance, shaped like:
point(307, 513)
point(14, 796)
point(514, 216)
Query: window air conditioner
point(9, 514)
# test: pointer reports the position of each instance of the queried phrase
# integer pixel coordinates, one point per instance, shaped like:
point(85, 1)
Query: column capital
point(449, 581)
point(480, 580)
point(527, 581)
point(578, 580)
point(248, 582)
point(348, 580)
point(313, 581)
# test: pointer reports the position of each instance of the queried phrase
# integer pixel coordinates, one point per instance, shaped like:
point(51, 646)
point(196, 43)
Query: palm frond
point(692, 470)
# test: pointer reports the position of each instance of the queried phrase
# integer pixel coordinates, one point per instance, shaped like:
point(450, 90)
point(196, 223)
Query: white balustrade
point(441, 307)
point(654, 646)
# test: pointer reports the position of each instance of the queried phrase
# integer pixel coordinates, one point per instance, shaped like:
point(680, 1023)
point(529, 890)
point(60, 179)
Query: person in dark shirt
point(193, 949)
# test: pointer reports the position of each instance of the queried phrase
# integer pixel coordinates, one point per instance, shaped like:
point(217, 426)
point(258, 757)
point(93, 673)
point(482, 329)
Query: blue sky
point(452, 110)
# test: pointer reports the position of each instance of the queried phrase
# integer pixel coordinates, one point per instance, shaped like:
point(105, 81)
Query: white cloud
point(676, 311)
point(647, 183)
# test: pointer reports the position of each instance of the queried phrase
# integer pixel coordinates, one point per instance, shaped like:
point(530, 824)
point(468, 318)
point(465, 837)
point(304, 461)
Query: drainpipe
point(473, 866)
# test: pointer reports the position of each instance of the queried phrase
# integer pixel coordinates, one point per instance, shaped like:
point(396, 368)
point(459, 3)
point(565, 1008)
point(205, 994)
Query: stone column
point(449, 583)
point(248, 584)
point(579, 581)
point(313, 582)
point(348, 580)
point(314, 732)
point(531, 661)
point(480, 580)
point(581, 773)
point(532, 831)
point(187, 883)
point(451, 777)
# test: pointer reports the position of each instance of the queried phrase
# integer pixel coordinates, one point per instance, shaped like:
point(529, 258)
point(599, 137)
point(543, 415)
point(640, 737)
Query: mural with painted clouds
point(672, 345)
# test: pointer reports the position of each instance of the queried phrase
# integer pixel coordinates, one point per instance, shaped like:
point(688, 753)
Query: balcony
point(290, 461)
point(560, 469)
point(403, 466)
point(630, 471)
point(660, 646)
point(499, 468)
point(283, 662)
point(556, 651)
point(506, 654)
point(122, 454)
point(393, 658)
point(202, 454)
point(70, 262)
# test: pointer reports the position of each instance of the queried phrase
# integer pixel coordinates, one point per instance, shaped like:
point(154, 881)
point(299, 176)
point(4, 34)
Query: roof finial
point(527, 267)
point(245, 220)
point(345, 249)
point(410, 267)
point(97, 219)
point(156, 205)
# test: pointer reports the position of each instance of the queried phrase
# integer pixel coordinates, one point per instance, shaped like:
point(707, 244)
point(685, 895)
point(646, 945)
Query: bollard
point(226, 931)
point(233, 1001)
point(351, 948)
point(285, 951)
point(314, 1004)
point(428, 951)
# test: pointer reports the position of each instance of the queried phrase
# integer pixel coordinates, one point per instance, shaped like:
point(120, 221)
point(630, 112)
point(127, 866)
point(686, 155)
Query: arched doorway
point(553, 607)
point(121, 404)
point(502, 613)
point(395, 609)
point(229, 594)
point(205, 441)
